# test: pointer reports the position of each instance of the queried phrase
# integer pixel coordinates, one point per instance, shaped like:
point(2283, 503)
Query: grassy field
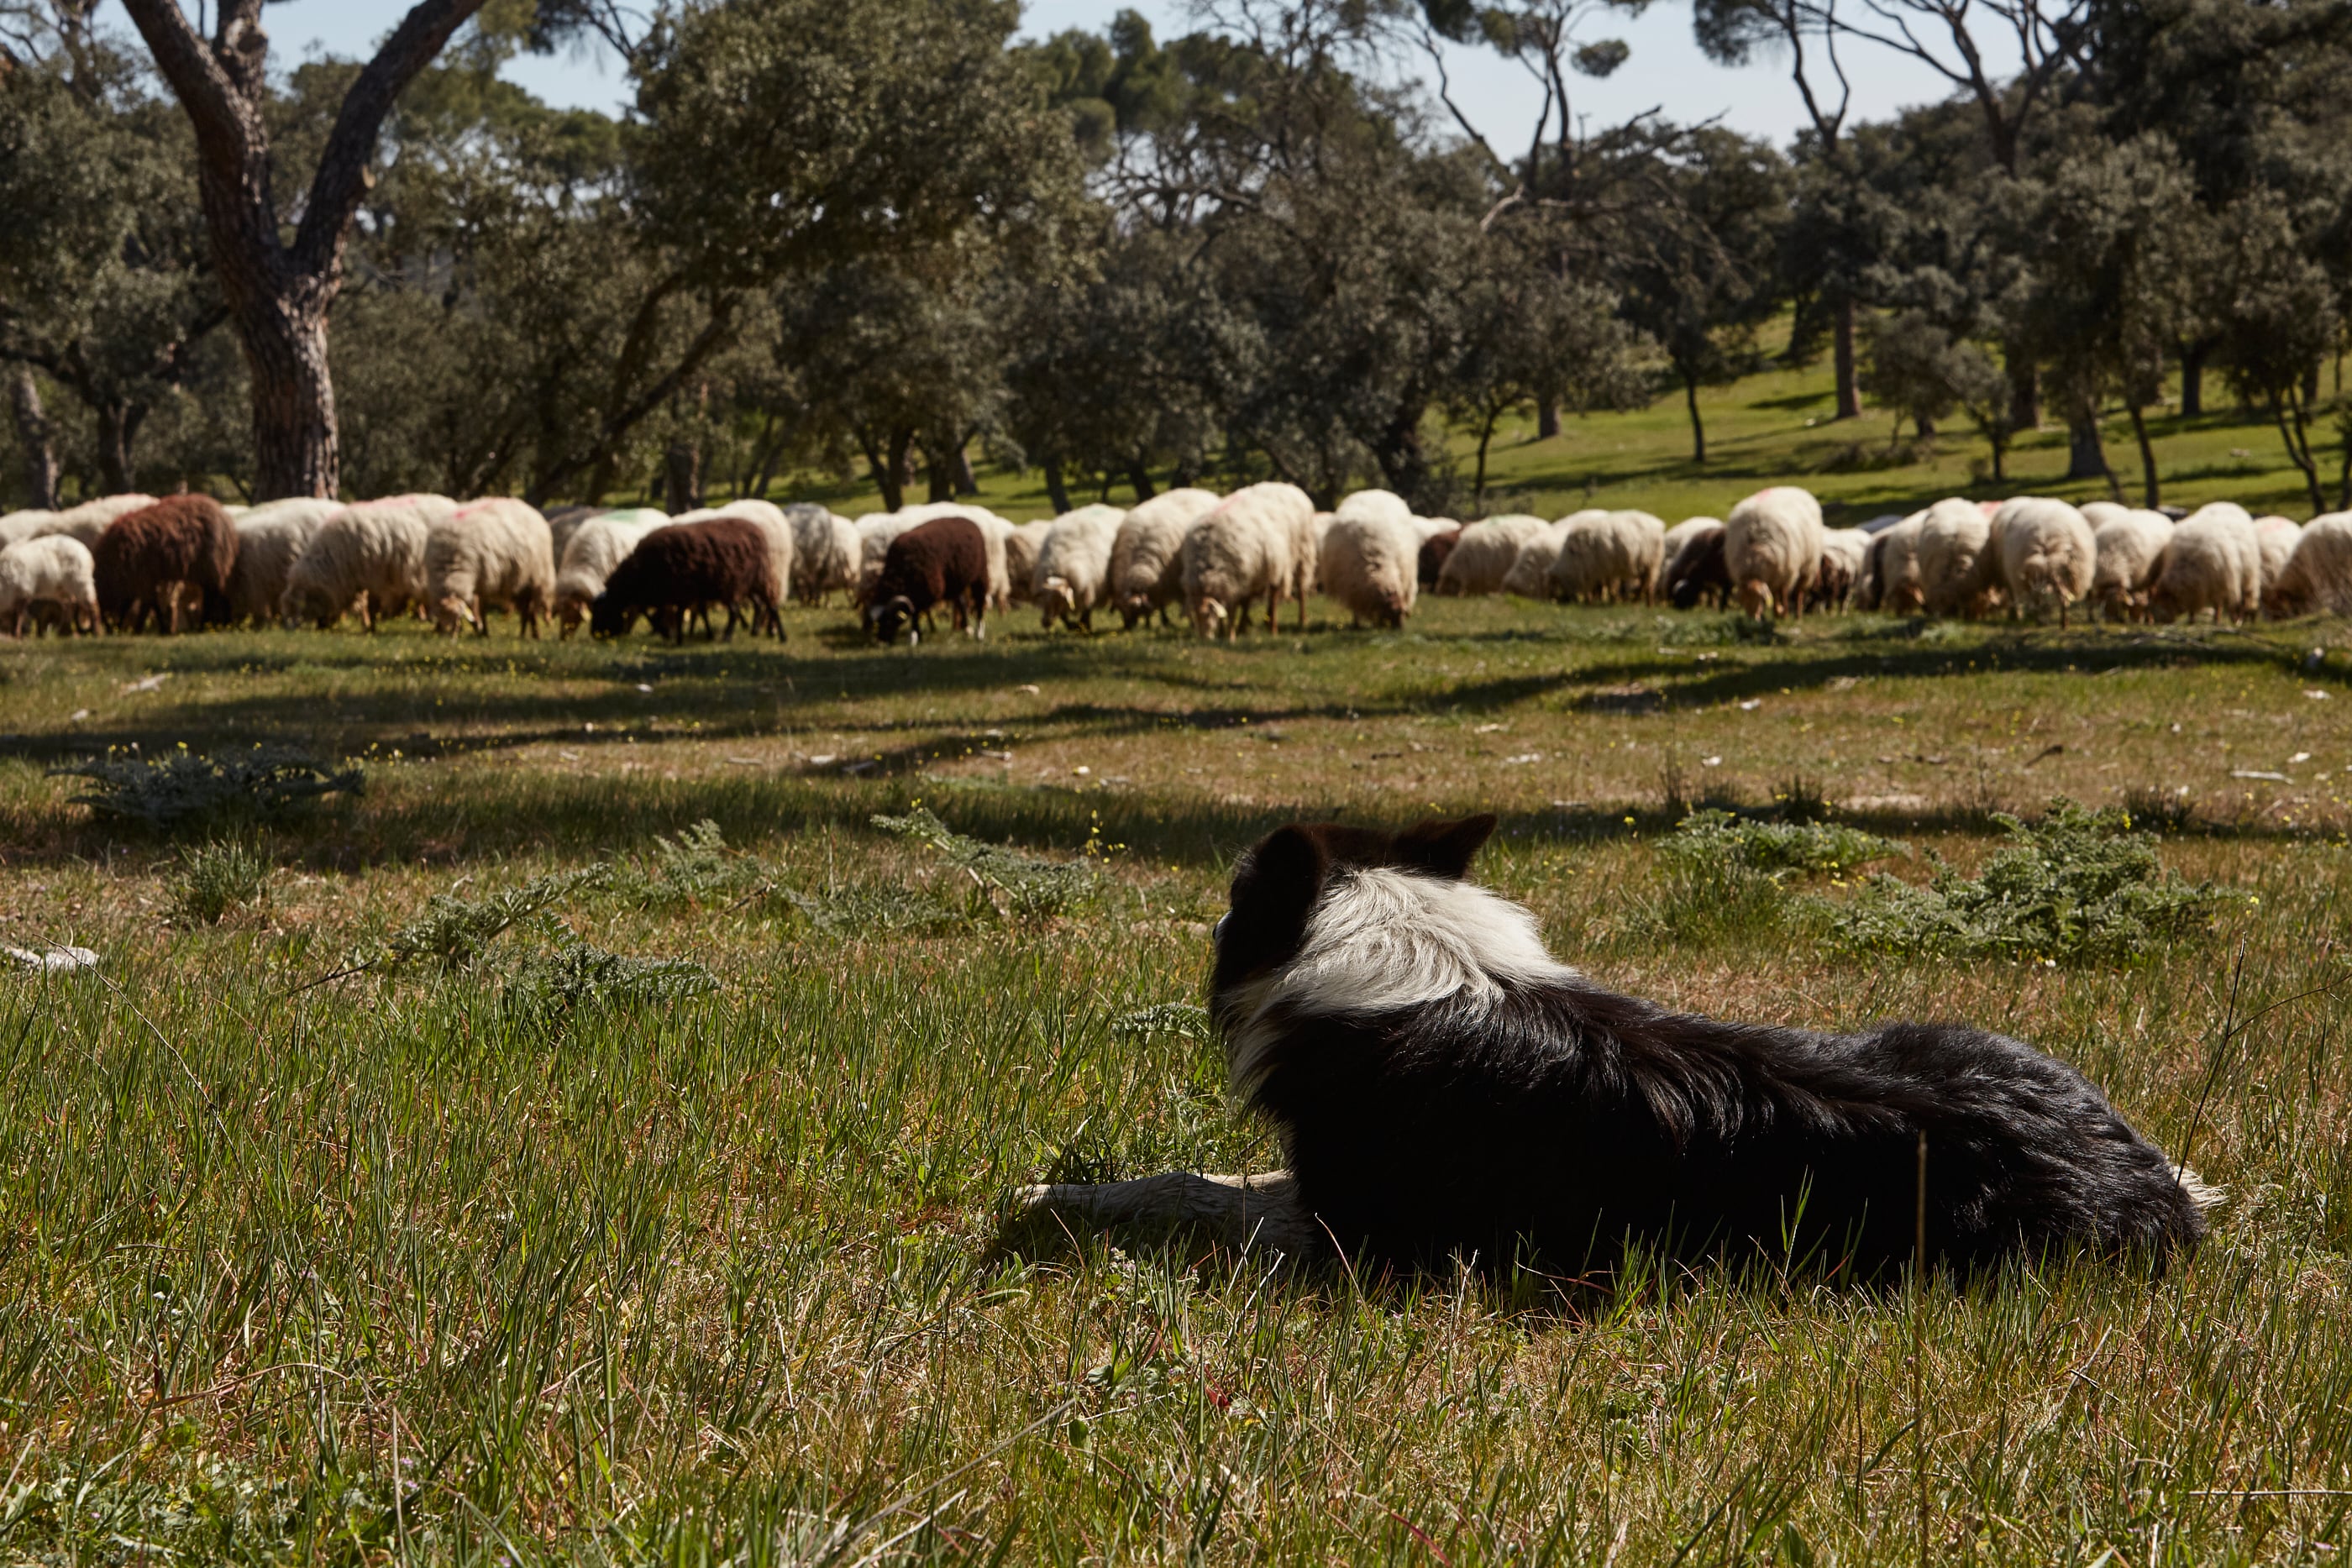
point(1774, 428)
point(663, 1223)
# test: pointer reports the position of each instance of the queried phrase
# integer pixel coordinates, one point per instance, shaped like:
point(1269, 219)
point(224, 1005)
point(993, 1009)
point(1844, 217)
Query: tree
point(279, 292)
point(2281, 318)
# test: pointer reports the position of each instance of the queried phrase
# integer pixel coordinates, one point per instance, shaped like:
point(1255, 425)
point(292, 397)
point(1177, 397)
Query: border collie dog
point(1446, 1087)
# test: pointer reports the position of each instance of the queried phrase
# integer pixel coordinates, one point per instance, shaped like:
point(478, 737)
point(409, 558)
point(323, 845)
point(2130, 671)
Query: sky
point(1665, 71)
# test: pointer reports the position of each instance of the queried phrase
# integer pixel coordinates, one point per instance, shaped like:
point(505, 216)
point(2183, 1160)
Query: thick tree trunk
point(1547, 418)
point(1849, 391)
point(297, 444)
point(2024, 391)
point(1698, 426)
point(1057, 489)
point(940, 468)
point(1140, 478)
point(2086, 456)
point(35, 435)
point(681, 476)
point(2311, 384)
point(2192, 378)
point(967, 482)
point(887, 468)
point(116, 428)
point(2147, 457)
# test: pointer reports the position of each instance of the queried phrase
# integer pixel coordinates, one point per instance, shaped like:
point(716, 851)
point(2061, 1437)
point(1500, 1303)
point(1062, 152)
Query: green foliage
point(1031, 887)
point(862, 909)
point(454, 933)
point(213, 879)
point(696, 867)
point(1180, 1018)
point(185, 787)
point(546, 987)
point(2079, 885)
point(1715, 841)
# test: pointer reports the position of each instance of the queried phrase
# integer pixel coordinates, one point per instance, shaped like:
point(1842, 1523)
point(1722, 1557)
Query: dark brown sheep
point(678, 571)
point(1434, 551)
point(145, 556)
point(943, 562)
point(1698, 571)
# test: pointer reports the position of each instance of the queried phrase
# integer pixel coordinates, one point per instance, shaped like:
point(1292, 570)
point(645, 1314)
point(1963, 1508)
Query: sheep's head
point(887, 617)
point(608, 617)
point(308, 601)
point(570, 609)
point(1132, 608)
point(1208, 616)
point(1056, 599)
point(451, 614)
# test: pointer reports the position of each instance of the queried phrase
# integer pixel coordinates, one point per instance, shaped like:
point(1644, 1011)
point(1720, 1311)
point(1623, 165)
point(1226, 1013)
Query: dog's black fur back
point(1558, 1116)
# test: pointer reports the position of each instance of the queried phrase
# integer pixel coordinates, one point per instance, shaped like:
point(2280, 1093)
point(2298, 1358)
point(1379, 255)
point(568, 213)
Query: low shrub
point(215, 878)
point(183, 787)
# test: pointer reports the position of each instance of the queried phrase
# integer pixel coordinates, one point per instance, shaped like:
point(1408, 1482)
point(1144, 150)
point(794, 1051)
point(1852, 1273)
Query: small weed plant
point(455, 933)
point(546, 987)
point(1022, 885)
point(213, 879)
point(1725, 874)
point(2078, 885)
point(185, 787)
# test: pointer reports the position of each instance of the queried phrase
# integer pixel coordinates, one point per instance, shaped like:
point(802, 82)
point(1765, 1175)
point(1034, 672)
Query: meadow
point(592, 1140)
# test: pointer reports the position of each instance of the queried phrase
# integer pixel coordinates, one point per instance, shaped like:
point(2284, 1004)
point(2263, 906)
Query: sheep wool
point(2275, 541)
point(1530, 573)
point(57, 571)
point(1843, 551)
point(564, 521)
point(1072, 571)
point(1147, 557)
point(1609, 555)
point(825, 552)
point(2128, 544)
point(371, 556)
point(268, 539)
point(498, 551)
point(25, 525)
point(1485, 553)
point(1682, 533)
point(1772, 550)
point(1959, 567)
point(2048, 554)
point(1370, 561)
point(2317, 578)
point(764, 516)
point(595, 550)
point(2213, 563)
point(1890, 572)
point(1244, 547)
point(1021, 548)
point(90, 521)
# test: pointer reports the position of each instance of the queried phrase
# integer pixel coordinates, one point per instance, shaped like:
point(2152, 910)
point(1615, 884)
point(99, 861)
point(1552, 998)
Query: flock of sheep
point(125, 561)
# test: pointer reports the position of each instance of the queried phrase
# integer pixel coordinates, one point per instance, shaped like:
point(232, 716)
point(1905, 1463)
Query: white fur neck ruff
point(1380, 940)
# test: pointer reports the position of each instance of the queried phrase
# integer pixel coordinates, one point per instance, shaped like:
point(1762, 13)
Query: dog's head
point(1277, 883)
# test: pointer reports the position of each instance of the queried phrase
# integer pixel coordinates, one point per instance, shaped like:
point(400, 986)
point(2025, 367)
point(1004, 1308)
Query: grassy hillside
point(1774, 428)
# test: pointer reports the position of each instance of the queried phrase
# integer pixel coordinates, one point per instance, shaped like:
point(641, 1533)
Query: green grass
point(1774, 428)
point(658, 1221)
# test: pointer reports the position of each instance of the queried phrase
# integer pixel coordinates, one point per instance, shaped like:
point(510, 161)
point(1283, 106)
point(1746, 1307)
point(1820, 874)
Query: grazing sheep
point(2213, 563)
point(1072, 571)
point(56, 573)
point(499, 552)
point(1369, 560)
point(1697, 570)
point(1681, 534)
point(2275, 540)
point(1958, 567)
point(90, 521)
point(769, 519)
point(679, 572)
point(564, 522)
point(825, 552)
point(2129, 547)
point(2317, 578)
point(1306, 559)
point(595, 547)
point(1772, 551)
point(268, 539)
point(1147, 558)
point(875, 532)
point(25, 525)
point(1436, 550)
point(1890, 574)
point(1530, 573)
point(1246, 545)
point(1021, 547)
point(1843, 551)
point(941, 561)
point(2047, 553)
point(2100, 513)
point(1486, 552)
point(1609, 555)
point(1435, 528)
point(996, 534)
point(145, 557)
point(370, 555)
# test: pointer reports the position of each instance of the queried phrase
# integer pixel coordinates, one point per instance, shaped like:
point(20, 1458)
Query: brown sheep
point(678, 571)
point(1434, 551)
point(145, 556)
point(943, 562)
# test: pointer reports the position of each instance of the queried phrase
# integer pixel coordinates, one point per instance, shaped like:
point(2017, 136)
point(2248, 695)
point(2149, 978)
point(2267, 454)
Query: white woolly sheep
point(564, 521)
point(2213, 563)
point(1369, 564)
point(875, 532)
point(2047, 555)
point(498, 551)
point(1891, 580)
point(1772, 550)
point(2275, 540)
point(1610, 556)
point(90, 521)
point(25, 525)
point(1246, 545)
point(1483, 557)
point(1843, 551)
point(2129, 544)
point(1147, 558)
point(370, 555)
point(595, 548)
point(1530, 573)
point(1072, 571)
point(269, 537)
point(54, 571)
point(1021, 548)
point(1682, 533)
point(1958, 567)
point(825, 552)
point(2098, 514)
point(2317, 578)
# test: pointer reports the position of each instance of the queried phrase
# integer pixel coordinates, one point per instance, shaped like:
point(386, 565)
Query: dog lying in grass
point(1446, 1089)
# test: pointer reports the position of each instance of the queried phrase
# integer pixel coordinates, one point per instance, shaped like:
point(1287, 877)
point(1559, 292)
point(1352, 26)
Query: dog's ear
point(1442, 848)
point(1275, 891)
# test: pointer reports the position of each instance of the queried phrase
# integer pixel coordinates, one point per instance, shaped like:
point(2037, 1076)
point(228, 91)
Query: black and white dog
point(1446, 1087)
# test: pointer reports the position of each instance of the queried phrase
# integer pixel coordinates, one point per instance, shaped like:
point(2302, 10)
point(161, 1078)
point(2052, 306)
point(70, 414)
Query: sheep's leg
point(1261, 1211)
